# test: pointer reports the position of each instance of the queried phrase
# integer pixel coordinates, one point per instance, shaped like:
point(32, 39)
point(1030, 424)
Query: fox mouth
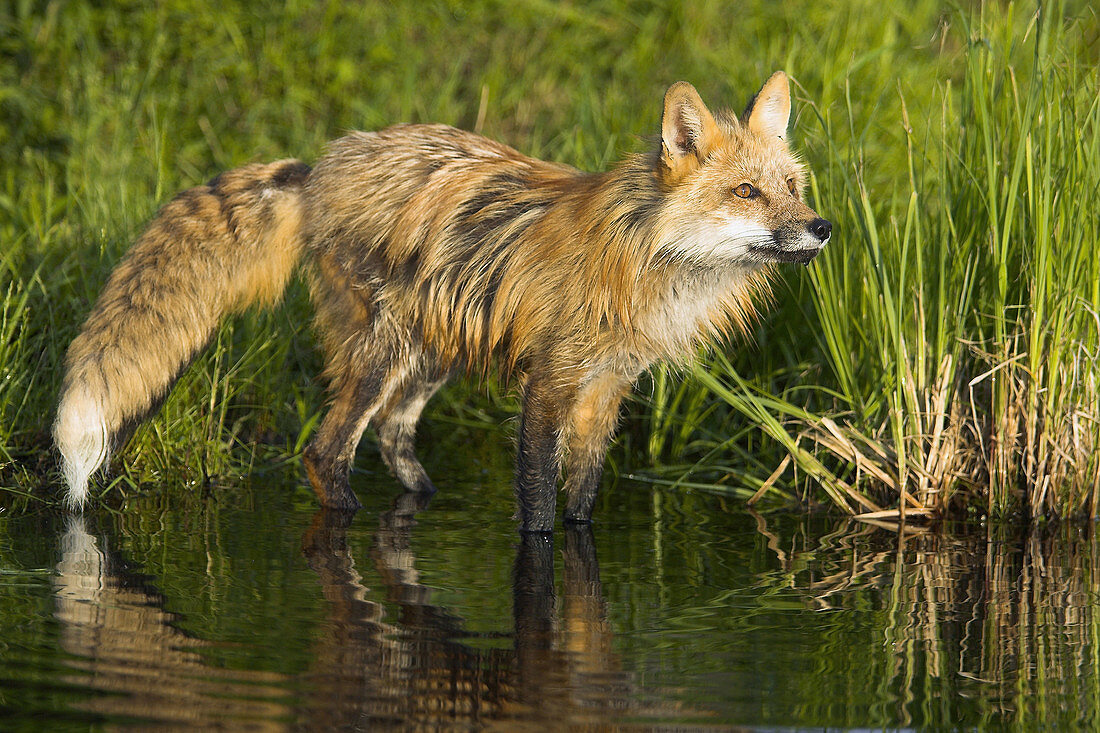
point(775, 253)
point(797, 245)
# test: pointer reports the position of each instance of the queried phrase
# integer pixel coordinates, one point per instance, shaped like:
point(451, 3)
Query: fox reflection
point(424, 671)
point(381, 657)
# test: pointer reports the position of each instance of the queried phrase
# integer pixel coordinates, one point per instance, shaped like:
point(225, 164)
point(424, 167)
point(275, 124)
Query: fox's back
point(455, 233)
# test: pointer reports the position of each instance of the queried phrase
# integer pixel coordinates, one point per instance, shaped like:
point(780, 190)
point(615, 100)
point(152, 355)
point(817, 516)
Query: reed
point(956, 312)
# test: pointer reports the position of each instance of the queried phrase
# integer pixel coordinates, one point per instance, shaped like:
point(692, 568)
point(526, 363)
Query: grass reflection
point(998, 615)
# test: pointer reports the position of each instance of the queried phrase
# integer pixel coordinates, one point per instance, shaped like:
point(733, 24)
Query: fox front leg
point(538, 456)
point(592, 424)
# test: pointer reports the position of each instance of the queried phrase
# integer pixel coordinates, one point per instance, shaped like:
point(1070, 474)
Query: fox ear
point(687, 129)
point(770, 110)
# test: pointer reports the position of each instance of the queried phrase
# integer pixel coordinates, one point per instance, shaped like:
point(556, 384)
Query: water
point(245, 608)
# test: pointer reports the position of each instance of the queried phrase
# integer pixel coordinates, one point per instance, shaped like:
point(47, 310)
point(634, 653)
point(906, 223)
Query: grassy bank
point(943, 349)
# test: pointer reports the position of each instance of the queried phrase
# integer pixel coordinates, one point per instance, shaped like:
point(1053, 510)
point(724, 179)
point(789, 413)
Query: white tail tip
point(81, 435)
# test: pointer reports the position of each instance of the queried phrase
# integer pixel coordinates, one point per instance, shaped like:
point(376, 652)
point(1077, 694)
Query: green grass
point(944, 347)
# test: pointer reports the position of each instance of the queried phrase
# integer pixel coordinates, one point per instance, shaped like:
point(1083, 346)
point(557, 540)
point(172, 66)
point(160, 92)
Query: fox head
point(734, 187)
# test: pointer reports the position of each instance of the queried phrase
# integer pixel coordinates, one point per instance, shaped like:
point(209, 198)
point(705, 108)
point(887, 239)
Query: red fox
point(432, 251)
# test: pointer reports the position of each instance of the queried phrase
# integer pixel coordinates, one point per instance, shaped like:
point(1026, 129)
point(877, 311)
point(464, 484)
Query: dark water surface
point(245, 608)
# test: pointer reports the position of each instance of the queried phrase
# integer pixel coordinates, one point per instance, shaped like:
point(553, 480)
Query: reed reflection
point(1004, 614)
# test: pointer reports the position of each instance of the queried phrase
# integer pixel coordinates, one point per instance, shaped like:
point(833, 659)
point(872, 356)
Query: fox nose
point(821, 229)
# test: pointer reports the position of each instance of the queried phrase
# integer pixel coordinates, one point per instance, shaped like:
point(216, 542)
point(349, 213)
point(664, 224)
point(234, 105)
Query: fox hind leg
point(366, 380)
point(396, 430)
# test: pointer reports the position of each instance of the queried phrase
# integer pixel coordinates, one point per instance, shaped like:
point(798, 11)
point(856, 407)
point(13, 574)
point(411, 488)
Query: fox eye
point(792, 186)
point(745, 191)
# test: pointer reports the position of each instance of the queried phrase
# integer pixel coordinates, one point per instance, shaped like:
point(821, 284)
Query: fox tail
point(213, 250)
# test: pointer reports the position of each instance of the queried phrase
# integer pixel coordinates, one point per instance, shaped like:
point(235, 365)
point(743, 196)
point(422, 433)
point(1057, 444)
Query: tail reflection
point(123, 642)
point(419, 669)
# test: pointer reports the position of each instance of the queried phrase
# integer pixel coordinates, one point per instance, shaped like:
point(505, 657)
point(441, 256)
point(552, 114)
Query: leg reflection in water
point(564, 664)
point(418, 669)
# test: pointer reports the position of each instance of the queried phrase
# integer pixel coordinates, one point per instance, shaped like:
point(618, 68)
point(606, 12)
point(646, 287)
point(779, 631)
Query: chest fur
point(695, 307)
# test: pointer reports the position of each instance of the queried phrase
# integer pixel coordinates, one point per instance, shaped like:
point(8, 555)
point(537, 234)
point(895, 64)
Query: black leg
point(538, 457)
